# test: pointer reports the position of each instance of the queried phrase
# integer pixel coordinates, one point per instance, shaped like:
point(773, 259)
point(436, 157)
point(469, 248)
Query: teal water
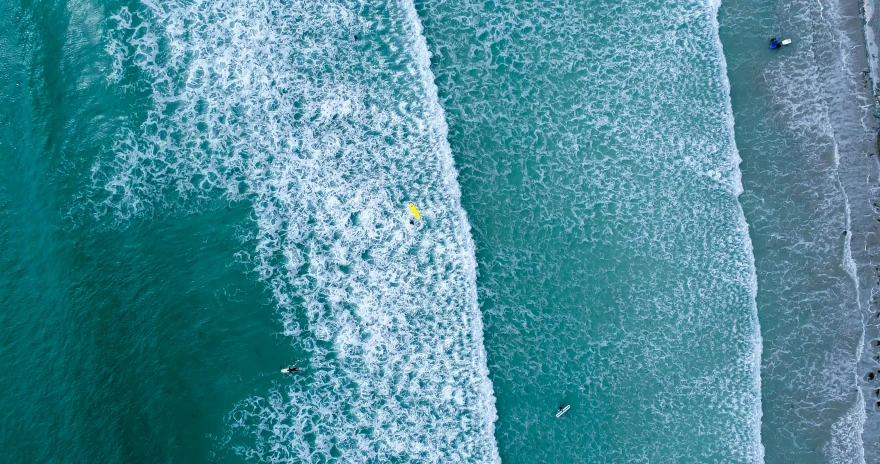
point(615, 265)
point(124, 344)
point(631, 207)
point(198, 235)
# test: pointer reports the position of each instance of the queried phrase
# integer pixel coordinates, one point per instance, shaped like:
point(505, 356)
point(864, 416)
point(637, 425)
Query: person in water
point(774, 44)
point(292, 369)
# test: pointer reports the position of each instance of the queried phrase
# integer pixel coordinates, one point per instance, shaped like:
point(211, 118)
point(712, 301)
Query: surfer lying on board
point(562, 410)
point(288, 370)
point(417, 216)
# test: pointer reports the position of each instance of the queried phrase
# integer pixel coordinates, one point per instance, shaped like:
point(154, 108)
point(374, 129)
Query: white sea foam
point(275, 103)
point(845, 445)
point(754, 357)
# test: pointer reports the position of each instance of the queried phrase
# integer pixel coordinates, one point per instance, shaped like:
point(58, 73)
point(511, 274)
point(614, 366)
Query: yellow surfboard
point(415, 211)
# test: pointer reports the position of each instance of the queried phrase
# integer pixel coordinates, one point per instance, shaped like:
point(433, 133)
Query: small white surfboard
point(786, 42)
point(562, 411)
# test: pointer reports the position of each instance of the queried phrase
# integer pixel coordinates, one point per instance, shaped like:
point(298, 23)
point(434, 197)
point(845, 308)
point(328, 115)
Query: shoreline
point(869, 362)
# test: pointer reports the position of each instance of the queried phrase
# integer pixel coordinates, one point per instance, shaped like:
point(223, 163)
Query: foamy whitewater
point(328, 137)
point(674, 228)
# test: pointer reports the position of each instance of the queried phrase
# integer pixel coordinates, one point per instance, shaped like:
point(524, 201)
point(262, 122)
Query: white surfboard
point(562, 411)
point(284, 370)
point(786, 42)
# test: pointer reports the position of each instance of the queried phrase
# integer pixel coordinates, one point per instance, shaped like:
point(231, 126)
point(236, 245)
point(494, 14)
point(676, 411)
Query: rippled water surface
point(630, 207)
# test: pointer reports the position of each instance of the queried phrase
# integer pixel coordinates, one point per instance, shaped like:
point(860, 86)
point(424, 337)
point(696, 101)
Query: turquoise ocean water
point(631, 207)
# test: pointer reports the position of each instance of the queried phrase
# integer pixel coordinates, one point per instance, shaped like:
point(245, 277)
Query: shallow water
point(803, 132)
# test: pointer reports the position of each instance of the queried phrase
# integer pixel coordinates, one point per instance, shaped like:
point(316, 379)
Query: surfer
point(417, 216)
point(774, 44)
point(562, 410)
point(288, 370)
